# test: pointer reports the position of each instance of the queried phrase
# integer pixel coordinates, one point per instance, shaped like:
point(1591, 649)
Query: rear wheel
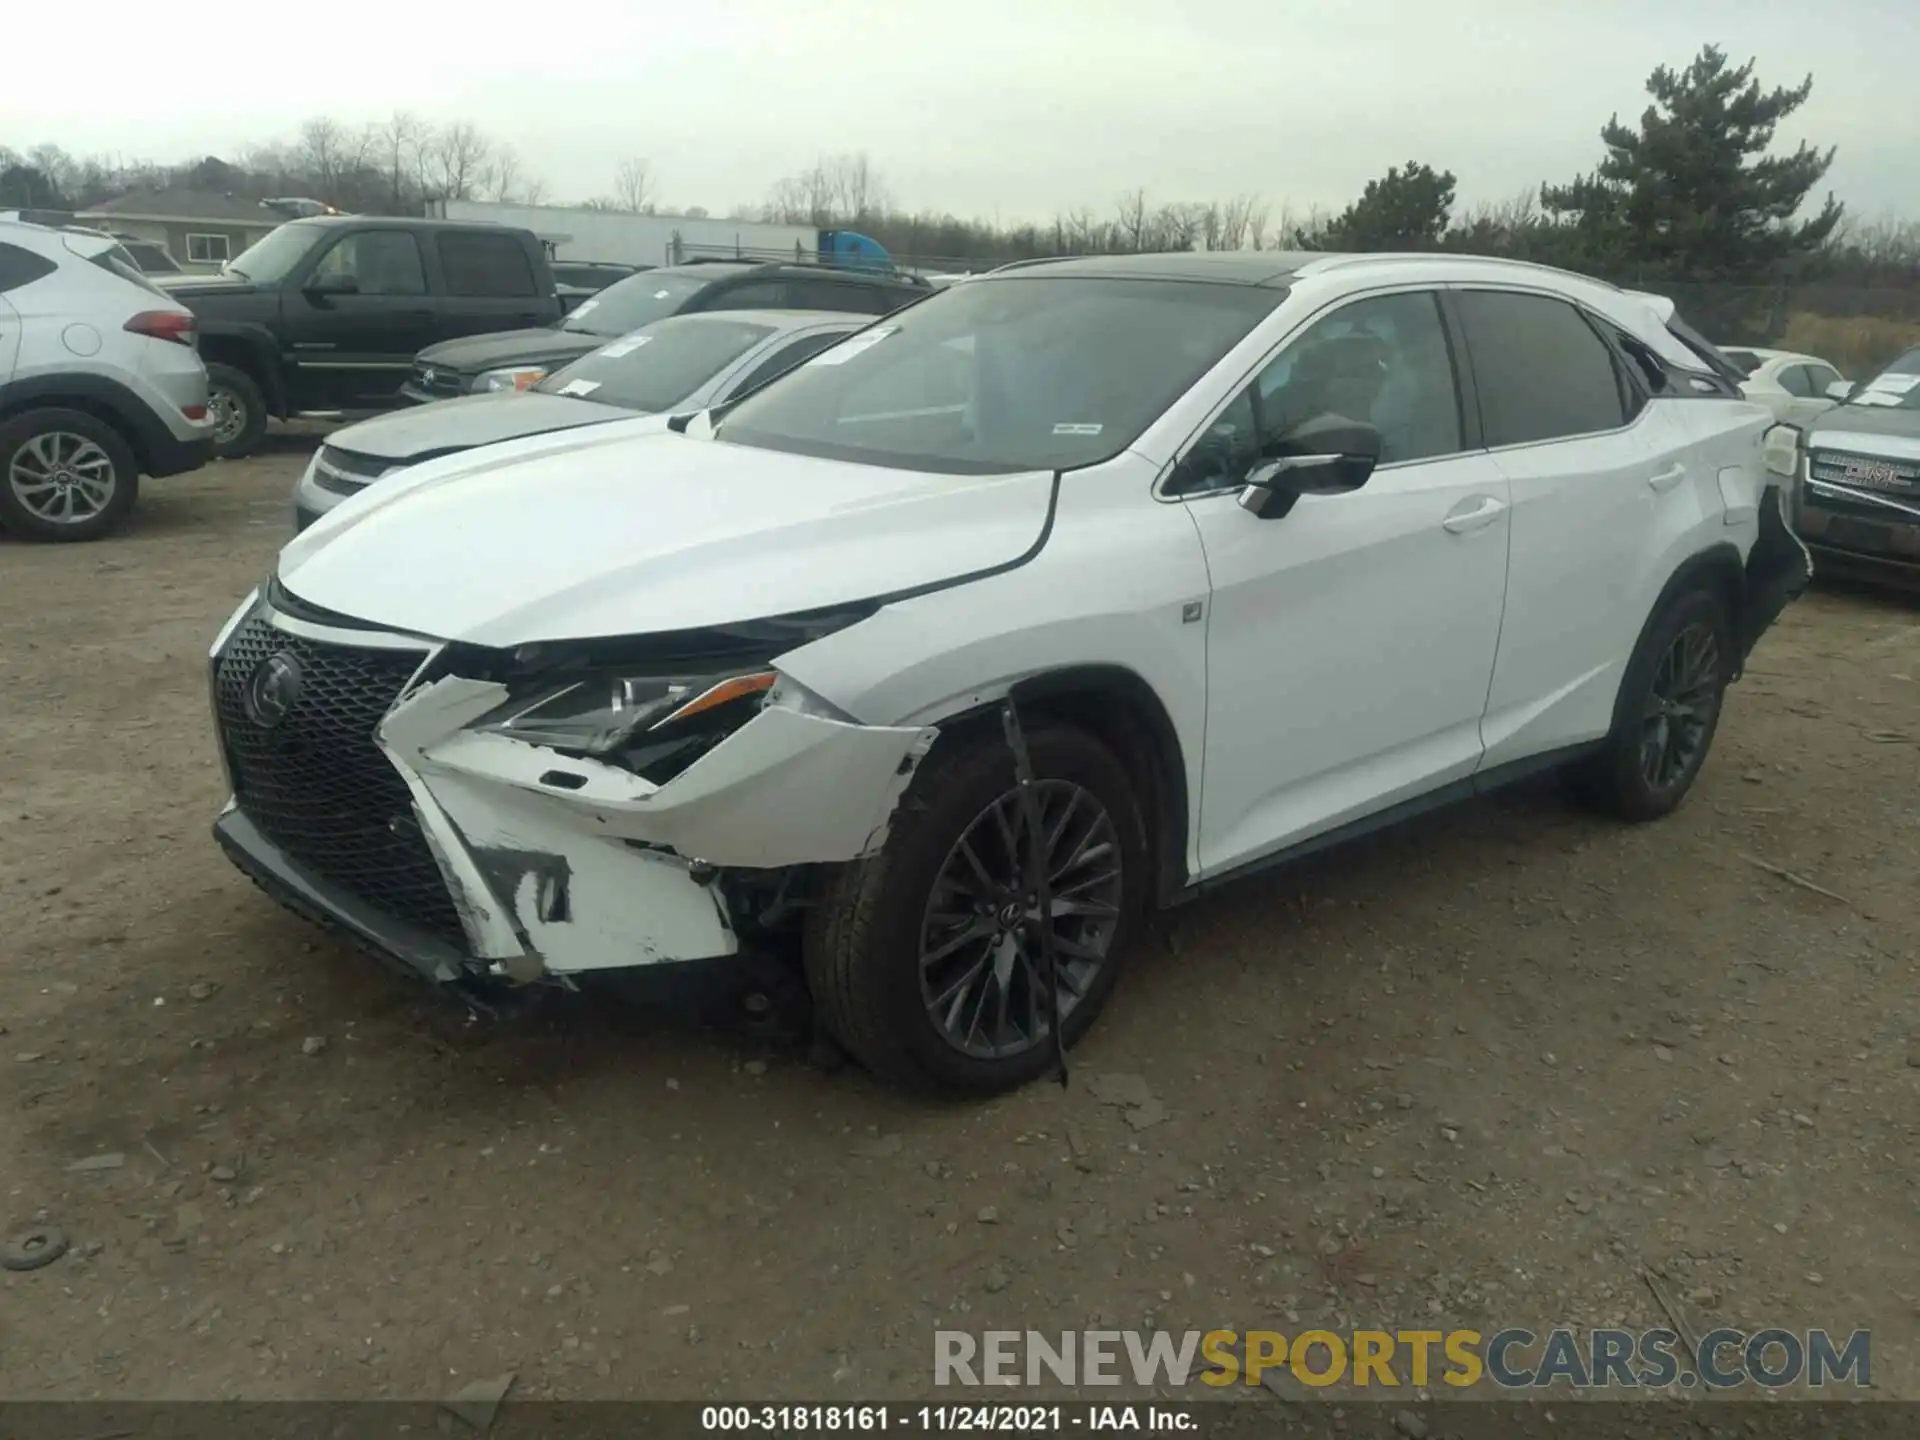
point(238, 409)
point(64, 475)
point(925, 960)
point(1669, 709)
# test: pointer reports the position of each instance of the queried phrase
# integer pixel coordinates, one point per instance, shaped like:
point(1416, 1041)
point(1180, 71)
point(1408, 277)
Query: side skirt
point(1484, 783)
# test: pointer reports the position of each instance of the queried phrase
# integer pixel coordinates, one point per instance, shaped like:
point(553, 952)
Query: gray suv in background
point(100, 382)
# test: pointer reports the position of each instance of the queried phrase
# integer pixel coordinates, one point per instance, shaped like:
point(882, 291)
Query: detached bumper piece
point(363, 800)
point(1779, 569)
point(418, 953)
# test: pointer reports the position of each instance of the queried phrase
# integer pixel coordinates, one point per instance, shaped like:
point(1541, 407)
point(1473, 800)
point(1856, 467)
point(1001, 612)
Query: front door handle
point(1667, 479)
point(1475, 513)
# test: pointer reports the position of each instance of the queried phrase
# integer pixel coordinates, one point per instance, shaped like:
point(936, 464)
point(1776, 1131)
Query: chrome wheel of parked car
point(229, 414)
point(1681, 706)
point(62, 478)
point(982, 975)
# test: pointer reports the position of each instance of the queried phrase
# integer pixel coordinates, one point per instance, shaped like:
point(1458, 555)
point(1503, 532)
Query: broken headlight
point(641, 721)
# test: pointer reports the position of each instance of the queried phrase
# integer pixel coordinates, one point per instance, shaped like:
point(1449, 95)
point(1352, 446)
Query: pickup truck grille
point(439, 380)
point(1865, 472)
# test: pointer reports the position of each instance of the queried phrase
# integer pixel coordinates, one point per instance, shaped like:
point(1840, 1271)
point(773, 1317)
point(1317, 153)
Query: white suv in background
point(100, 381)
point(1072, 590)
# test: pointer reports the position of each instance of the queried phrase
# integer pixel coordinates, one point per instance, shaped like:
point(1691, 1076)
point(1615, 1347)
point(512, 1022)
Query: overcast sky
point(1015, 108)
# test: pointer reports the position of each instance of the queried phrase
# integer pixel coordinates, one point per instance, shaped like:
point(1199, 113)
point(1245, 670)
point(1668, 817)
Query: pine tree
point(1693, 193)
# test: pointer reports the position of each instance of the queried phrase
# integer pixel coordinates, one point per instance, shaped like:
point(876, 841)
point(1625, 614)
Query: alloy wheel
point(62, 478)
point(982, 971)
point(1681, 706)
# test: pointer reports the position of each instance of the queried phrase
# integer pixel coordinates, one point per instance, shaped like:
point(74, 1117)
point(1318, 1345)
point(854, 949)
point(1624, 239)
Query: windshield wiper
point(235, 270)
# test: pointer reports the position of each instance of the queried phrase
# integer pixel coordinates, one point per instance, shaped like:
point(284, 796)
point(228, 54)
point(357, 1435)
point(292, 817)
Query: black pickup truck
point(327, 313)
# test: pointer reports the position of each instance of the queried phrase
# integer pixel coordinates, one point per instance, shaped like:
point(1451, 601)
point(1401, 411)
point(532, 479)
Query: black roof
point(1222, 267)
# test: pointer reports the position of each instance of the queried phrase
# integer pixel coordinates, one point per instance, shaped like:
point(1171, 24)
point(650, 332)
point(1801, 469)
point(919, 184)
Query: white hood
point(631, 529)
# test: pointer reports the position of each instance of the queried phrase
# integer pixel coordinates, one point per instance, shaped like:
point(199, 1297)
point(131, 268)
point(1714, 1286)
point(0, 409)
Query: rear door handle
point(1667, 479)
point(1474, 513)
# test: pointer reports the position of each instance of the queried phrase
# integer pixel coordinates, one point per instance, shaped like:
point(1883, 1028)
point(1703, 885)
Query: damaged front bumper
point(465, 854)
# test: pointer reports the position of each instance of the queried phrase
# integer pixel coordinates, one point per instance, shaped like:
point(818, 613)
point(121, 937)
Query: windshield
point(659, 366)
point(1895, 388)
point(1004, 375)
point(638, 300)
point(274, 254)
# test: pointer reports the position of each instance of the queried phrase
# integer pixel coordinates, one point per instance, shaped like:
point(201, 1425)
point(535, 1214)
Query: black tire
point(36, 443)
point(863, 941)
point(239, 410)
point(1620, 780)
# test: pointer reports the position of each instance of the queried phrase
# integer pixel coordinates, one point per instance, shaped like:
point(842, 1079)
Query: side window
point(484, 265)
point(379, 262)
point(784, 359)
point(1542, 372)
point(1384, 361)
point(1819, 377)
point(1796, 380)
point(22, 267)
point(756, 295)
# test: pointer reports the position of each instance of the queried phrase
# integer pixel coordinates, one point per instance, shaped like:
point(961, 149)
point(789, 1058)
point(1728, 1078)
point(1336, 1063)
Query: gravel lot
point(1480, 1071)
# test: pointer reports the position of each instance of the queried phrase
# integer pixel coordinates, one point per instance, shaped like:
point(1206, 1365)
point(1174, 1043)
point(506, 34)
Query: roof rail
point(1036, 260)
point(1335, 257)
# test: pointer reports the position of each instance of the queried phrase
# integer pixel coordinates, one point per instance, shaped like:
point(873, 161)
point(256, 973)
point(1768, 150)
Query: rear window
point(117, 262)
point(639, 300)
point(660, 366)
point(485, 265)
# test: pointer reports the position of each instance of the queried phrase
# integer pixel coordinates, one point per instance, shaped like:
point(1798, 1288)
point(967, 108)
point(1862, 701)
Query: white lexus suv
point(1067, 592)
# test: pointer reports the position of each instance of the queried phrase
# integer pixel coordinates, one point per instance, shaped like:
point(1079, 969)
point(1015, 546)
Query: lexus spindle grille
point(311, 776)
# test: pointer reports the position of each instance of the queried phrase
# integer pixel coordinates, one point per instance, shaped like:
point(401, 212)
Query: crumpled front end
point(366, 797)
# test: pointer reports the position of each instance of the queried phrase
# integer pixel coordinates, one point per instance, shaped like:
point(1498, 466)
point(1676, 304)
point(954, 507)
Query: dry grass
point(1859, 344)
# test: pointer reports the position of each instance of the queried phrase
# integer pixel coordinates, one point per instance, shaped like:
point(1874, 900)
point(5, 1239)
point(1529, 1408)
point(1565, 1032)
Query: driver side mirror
point(1328, 455)
point(333, 283)
point(1840, 390)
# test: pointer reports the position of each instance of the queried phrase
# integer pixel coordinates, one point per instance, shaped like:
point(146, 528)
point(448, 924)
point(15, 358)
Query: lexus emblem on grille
point(272, 689)
point(426, 376)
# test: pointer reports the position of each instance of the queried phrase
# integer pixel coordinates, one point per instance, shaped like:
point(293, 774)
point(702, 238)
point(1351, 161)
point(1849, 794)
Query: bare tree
point(398, 138)
point(321, 153)
point(633, 186)
point(455, 160)
point(1131, 220)
point(1257, 224)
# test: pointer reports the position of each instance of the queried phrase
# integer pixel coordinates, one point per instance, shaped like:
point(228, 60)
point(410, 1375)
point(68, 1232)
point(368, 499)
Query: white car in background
point(100, 382)
point(1796, 388)
point(1071, 591)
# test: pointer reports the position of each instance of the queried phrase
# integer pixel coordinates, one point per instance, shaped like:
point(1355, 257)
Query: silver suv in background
point(100, 382)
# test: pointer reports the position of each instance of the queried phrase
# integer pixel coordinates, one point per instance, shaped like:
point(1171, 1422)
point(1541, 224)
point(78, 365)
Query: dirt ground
point(1480, 1071)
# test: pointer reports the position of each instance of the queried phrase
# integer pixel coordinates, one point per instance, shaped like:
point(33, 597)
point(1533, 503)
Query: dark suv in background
point(516, 359)
point(327, 313)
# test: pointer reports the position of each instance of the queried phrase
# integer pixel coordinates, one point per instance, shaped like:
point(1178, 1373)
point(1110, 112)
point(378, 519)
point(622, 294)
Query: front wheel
point(925, 959)
point(1669, 709)
point(64, 475)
